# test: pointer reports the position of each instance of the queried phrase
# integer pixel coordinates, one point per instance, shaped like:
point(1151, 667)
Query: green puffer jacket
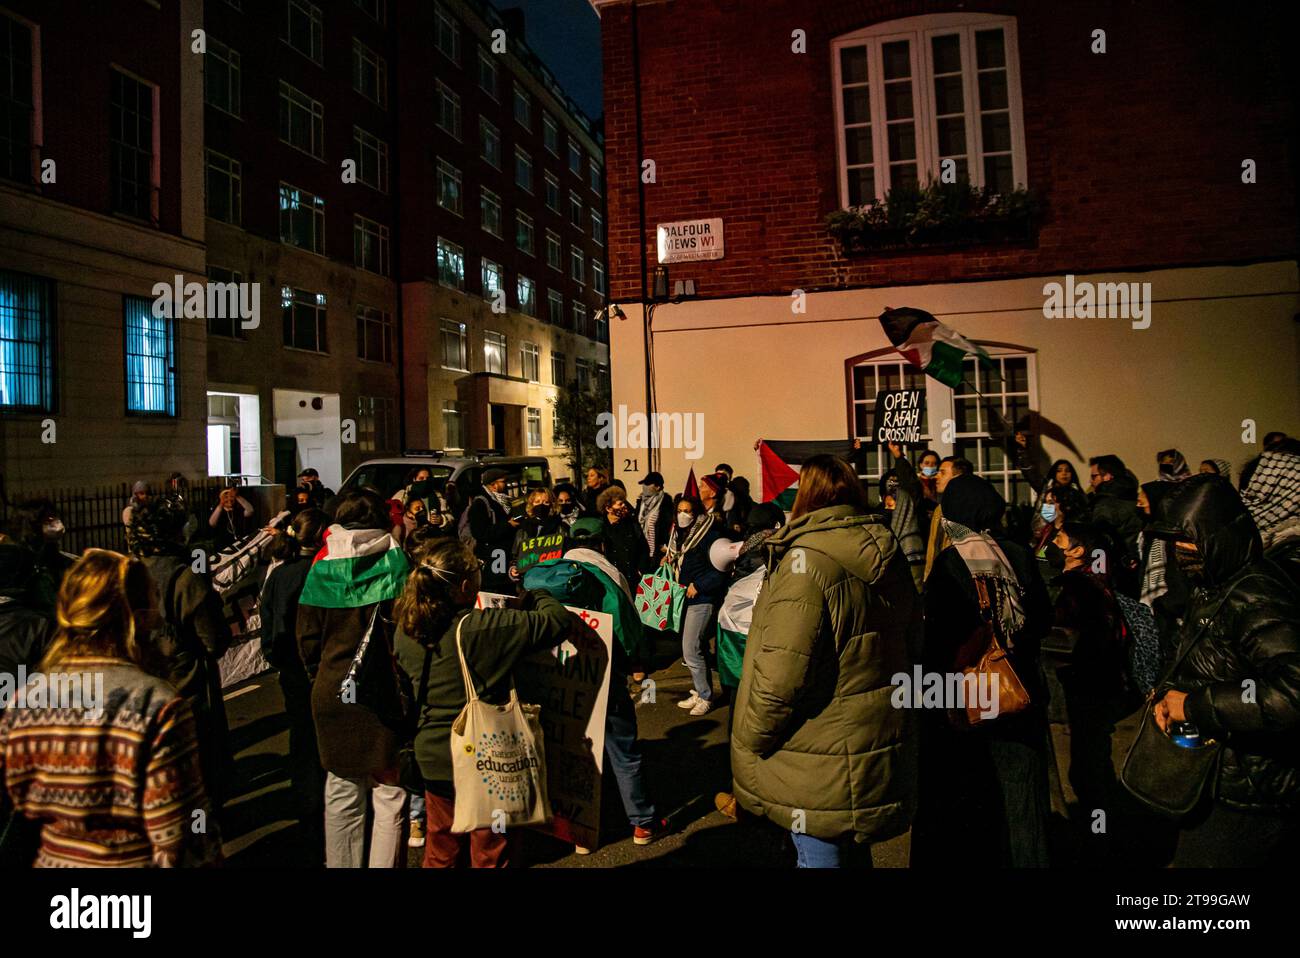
point(814, 728)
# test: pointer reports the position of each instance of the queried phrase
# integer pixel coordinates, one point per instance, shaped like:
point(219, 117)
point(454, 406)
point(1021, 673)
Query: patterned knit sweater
point(117, 786)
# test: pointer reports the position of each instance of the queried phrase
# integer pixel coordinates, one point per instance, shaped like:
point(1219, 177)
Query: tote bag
point(497, 760)
point(660, 600)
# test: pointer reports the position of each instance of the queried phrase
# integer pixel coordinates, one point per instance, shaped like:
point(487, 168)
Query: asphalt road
point(685, 763)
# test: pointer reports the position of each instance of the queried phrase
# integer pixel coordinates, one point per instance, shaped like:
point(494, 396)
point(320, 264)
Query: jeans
point(694, 622)
point(345, 822)
point(811, 852)
point(623, 754)
point(417, 807)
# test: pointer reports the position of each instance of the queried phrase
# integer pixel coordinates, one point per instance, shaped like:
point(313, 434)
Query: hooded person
point(1242, 625)
point(1217, 467)
point(194, 633)
point(817, 746)
point(1172, 465)
point(983, 791)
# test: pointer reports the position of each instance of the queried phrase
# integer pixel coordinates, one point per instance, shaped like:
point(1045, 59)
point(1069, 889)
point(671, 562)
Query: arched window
point(911, 94)
point(954, 422)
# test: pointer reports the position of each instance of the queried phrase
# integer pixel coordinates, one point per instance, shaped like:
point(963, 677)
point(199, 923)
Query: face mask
point(929, 471)
point(684, 519)
point(541, 512)
point(53, 529)
point(1048, 511)
point(566, 508)
point(1055, 557)
point(652, 490)
point(728, 501)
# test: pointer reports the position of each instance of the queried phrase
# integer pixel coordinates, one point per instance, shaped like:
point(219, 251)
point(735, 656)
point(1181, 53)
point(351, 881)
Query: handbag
point(992, 670)
point(661, 600)
point(373, 679)
point(497, 760)
point(1163, 776)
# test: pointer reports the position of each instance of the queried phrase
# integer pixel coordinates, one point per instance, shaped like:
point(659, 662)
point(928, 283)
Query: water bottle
point(1185, 734)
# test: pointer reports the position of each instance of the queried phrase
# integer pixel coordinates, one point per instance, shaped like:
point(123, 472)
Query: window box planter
point(938, 216)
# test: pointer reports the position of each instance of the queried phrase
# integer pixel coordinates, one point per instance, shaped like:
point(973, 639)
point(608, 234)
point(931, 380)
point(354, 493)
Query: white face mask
point(728, 501)
point(684, 519)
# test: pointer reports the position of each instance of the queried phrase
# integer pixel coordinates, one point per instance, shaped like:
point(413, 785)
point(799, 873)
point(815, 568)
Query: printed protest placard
point(571, 683)
point(898, 416)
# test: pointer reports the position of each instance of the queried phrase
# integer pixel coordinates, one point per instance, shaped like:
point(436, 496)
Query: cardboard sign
point(898, 416)
point(571, 684)
point(539, 549)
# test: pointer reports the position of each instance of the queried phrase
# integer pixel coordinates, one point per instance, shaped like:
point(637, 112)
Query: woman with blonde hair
point(130, 791)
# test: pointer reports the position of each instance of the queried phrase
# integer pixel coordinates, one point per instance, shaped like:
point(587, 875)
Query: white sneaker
point(689, 701)
point(701, 706)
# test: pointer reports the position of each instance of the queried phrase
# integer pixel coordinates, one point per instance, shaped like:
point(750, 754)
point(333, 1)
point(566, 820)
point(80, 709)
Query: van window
point(390, 477)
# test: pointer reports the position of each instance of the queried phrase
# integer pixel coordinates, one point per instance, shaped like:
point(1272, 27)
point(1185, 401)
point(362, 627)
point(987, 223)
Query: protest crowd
point(401, 624)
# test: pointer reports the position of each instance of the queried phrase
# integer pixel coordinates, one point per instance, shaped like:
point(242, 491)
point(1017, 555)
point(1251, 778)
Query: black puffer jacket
point(1251, 615)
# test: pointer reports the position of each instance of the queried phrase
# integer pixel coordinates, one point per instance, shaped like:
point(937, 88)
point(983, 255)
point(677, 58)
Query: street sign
point(690, 240)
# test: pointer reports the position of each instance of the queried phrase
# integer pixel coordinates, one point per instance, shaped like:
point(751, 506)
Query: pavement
point(685, 762)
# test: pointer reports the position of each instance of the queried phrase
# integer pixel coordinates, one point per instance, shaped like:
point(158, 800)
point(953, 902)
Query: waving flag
point(778, 461)
point(929, 345)
point(355, 568)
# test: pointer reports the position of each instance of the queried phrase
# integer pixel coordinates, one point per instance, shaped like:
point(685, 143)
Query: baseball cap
point(492, 475)
point(652, 478)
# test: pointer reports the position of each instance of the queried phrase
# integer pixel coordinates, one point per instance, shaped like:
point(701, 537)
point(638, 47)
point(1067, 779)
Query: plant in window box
point(938, 214)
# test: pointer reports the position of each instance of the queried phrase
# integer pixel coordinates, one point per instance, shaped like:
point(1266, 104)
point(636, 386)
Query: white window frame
point(521, 96)
point(522, 154)
point(577, 265)
point(372, 152)
point(308, 204)
point(533, 418)
point(448, 96)
point(919, 31)
point(315, 115)
point(491, 267)
point(490, 339)
point(363, 227)
point(366, 62)
point(550, 131)
point(597, 227)
point(373, 316)
point(527, 304)
point(443, 17)
point(552, 181)
point(453, 174)
point(533, 352)
point(452, 327)
point(219, 53)
point(451, 409)
point(576, 206)
point(525, 223)
point(554, 312)
point(452, 248)
point(486, 126)
point(554, 243)
point(487, 59)
point(316, 41)
point(941, 405)
point(486, 200)
point(232, 170)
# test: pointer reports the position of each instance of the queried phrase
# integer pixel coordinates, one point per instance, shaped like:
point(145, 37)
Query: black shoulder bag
point(1163, 776)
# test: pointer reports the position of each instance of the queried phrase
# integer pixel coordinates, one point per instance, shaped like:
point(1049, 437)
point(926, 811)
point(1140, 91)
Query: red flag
point(777, 475)
point(692, 487)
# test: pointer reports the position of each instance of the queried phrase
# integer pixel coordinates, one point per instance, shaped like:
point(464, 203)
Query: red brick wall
point(1138, 151)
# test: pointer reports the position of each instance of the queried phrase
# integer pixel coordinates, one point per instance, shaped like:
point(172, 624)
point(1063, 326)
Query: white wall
point(317, 431)
point(1222, 347)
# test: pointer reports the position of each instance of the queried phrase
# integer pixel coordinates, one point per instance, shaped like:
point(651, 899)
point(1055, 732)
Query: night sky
point(566, 35)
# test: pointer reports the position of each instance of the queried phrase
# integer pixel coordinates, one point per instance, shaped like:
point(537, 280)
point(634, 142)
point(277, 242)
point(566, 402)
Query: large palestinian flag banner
point(929, 345)
point(780, 459)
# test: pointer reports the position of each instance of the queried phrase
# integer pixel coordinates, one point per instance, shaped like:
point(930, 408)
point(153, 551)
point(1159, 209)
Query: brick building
point(368, 172)
point(772, 119)
point(101, 197)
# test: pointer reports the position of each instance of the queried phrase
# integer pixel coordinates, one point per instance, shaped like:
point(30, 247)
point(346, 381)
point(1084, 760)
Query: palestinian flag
point(692, 487)
point(779, 462)
point(355, 568)
point(734, 619)
point(929, 345)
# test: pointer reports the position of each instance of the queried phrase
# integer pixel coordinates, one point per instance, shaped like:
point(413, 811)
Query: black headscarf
point(973, 502)
point(1206, 510)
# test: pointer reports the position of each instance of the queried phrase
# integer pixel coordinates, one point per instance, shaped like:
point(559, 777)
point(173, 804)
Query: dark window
point(304, 319)
point(131, 134)
point(16, 108)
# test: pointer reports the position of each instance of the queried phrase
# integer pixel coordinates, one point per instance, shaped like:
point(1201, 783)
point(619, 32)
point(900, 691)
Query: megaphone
point(724, 553)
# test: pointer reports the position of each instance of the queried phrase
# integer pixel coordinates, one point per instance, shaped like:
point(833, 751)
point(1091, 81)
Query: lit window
point(455, 345)
point(150, 359)
point(451, 264)
point(526, 294)
point(302, 219)
point(494, 352)
point(304, 319)
point(492, 284)
point(531, 358)
point(449, 187)
point(26, 343)
point(534, 428)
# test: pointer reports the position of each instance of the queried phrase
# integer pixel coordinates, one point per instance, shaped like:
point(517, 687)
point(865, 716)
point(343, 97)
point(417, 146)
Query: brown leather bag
point(1012, 696)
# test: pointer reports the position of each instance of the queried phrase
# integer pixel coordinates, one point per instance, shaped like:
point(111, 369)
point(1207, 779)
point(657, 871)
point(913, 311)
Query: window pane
point(998, 175)
point(857, 105)
point(898, 100)
point(989, 49)
point(902, 175)
point(947, 94)
point(997, 132)
point(947, 53)
point(952, 136)
point(896, 60)
point(1015, 370)
point(862, 186)
point(902, 141)
point(993, 90)
point(967, 412)
point(853, 65)
point(857, 145)
point(890, 377)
